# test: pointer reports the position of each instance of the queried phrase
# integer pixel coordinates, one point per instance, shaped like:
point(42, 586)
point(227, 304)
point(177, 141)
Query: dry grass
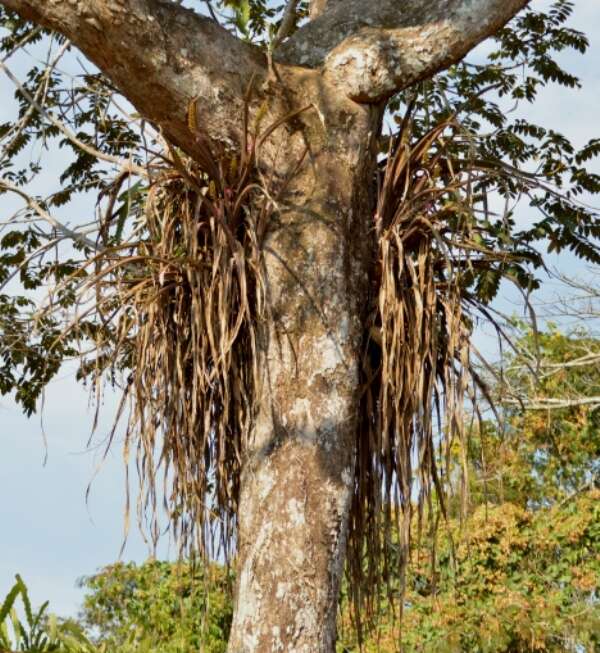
point(417, 369)
point(179, 312)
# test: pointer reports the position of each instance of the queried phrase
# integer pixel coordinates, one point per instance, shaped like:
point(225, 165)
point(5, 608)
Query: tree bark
point(298, 480)
point(318, 7)
point(370, 50)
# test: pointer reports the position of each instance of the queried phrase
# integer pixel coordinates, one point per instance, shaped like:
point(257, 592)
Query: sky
point(50, 534)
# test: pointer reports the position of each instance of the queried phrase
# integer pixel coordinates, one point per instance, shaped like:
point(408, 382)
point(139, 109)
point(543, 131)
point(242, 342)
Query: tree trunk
point(298, 479)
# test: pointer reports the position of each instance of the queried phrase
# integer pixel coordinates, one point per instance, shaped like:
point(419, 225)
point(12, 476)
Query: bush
point(159, 607)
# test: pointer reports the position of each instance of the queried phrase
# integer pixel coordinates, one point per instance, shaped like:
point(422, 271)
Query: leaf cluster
point(517, 161)
point(37, 631)
point(158, 607)
point(519, 572)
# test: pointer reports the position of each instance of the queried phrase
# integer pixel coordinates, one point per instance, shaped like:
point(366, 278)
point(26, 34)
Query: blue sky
point(49, 534)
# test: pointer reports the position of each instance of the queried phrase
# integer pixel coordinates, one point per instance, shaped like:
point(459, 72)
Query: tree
point(159, 607)
point(556, 378)
point(526, 561)
point(242, 288)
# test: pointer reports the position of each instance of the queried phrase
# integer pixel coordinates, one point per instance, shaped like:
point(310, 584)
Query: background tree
point(241, 293)
point(158, 607)
point(519, 571)
point(519, 574)
point(556, 378)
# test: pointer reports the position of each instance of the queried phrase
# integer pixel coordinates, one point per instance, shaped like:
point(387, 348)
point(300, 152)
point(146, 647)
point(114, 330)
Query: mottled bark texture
point(298, 474)
point(369, 50)
point(298, 479)
point(317, 7)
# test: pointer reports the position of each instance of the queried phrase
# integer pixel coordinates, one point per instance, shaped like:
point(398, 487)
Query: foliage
point(443, 250)
point(525, 163)
point(180, 309)
point(159, 607)
point(524, 581)
point(258, 20)
point(547, 389)
point(519, 575)
point(417, 365)
point(519, 581)
point(521, 572)
point(38, 632)
point(517, 159)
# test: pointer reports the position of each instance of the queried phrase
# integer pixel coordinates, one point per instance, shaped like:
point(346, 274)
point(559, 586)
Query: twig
point(123, 165)
point(548, 403)
point(288, 21)
point(37, 207)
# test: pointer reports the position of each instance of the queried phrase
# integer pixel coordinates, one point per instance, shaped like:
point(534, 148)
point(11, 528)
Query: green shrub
point(159, 607)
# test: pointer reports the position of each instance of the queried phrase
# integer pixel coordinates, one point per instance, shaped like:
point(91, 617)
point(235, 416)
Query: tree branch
point(123, 164)
point(161, 56)
point(549, 403)
point(373, 49)
point(34, 205)
point(287, 22)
